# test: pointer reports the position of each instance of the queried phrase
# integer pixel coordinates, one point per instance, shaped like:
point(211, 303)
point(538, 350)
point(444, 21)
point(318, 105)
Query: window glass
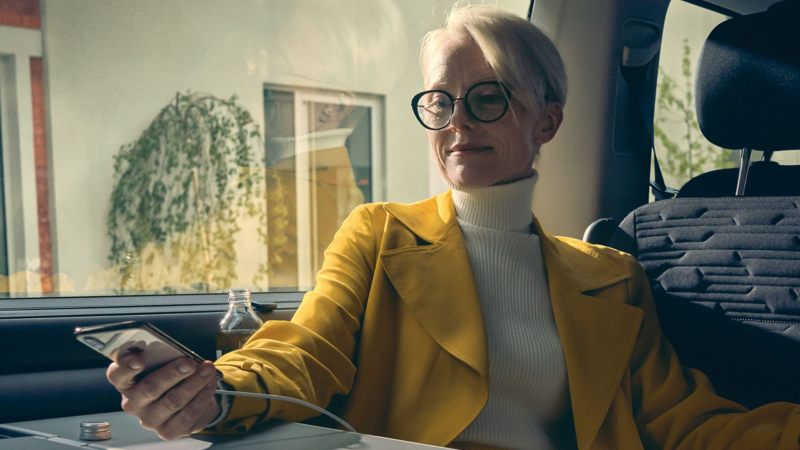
point(154, 147)
point(791, 157)
point(785, 157)
point(682, 150)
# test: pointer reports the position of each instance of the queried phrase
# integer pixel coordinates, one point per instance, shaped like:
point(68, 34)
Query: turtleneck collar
point(500, 207)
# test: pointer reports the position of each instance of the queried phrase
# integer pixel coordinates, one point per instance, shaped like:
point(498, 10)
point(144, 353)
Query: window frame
point(51, 306)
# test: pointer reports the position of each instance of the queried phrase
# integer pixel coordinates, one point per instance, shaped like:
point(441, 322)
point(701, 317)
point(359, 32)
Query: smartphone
point(117, 339)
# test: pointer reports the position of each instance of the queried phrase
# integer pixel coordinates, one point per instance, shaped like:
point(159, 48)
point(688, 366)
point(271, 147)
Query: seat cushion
point(725, 275)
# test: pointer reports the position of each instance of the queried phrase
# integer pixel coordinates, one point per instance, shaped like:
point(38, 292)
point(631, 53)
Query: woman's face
point(470, 153)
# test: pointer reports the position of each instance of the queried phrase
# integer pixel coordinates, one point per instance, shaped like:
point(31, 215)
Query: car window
point(786, 157)
point(683, 152)
point(183, 147)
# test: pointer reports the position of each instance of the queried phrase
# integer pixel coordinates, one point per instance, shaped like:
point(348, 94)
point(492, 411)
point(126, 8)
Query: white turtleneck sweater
point(528, 402)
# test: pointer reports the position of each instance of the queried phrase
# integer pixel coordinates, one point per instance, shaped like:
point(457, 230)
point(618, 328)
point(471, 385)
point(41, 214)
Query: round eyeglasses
point(486, 102)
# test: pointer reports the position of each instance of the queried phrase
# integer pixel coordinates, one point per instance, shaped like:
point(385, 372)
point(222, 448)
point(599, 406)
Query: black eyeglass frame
point(415, 106)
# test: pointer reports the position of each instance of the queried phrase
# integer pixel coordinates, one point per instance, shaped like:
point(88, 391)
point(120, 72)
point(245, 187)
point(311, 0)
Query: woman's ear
point(550, 119)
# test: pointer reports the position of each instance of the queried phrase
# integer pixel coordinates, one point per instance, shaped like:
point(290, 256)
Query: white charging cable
point(289, 399)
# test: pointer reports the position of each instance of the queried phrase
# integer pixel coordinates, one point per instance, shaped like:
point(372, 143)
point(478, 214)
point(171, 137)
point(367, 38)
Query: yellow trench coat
point(397, 300)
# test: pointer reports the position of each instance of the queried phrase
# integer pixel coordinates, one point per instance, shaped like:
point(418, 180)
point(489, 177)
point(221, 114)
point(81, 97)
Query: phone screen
point(116, 340)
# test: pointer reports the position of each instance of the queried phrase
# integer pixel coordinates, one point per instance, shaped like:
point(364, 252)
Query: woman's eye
point(438, 103)
point(491, 99)
point(441, 101)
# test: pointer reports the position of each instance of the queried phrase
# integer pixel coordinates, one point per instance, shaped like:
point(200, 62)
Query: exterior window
point(177, 147)
point(683, 152)
point(320, 148)
point(784, 158)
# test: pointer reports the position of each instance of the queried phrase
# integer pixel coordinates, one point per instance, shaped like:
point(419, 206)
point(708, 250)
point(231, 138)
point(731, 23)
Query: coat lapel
point(434, 278)
point(597, 335)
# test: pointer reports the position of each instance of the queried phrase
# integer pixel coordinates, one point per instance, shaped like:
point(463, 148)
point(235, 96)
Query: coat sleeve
point(676, 407)
point(309, 358)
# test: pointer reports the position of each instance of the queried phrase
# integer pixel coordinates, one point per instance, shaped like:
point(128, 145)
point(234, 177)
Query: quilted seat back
point(725, 276)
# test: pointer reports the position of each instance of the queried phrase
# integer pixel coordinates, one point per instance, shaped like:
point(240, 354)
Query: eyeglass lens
point(486, 102)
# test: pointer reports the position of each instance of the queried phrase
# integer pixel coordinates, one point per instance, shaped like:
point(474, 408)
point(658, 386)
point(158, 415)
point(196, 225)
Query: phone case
point(116, 340)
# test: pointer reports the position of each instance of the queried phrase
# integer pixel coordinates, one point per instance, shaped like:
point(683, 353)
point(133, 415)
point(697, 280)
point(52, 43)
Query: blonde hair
point(520, 54)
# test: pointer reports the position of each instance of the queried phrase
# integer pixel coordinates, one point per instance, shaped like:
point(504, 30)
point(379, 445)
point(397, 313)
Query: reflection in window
point(319, 147)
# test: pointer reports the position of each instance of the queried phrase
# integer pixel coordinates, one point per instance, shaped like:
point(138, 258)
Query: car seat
point(725, 270)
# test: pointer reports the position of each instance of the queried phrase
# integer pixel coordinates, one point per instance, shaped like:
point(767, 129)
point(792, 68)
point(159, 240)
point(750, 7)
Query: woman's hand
point(174, 401)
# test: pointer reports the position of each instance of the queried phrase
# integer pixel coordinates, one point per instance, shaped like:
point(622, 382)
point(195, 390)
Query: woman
point(470, 325)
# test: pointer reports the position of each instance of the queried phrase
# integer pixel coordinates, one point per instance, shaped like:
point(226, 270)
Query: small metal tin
point(95, 431)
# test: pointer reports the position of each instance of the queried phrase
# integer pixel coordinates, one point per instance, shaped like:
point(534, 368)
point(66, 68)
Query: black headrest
point(748, 81)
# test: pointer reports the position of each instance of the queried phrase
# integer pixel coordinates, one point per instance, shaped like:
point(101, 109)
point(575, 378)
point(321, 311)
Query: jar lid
point(95, 431)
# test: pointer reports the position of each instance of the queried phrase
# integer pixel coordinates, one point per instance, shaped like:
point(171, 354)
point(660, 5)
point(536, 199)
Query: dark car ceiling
point(743, 6)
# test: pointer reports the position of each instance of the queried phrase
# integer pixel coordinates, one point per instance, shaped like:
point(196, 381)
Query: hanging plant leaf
point(184, 184)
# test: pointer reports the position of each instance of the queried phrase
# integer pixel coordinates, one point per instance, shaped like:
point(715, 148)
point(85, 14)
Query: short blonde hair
point(520, 54)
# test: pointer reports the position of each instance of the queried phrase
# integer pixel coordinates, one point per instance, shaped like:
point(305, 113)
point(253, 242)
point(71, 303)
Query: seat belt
point(636, 78)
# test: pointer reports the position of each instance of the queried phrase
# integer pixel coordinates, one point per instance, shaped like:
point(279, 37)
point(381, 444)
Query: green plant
point(181, 189)
point(688, 153)
point(277, 216)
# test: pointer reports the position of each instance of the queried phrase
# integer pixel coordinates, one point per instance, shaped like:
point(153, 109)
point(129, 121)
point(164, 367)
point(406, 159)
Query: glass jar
point(238, 324)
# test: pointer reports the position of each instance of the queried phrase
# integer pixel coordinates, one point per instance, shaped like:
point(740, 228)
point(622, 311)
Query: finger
point(175, 399)
point(155, 384)
point(210, 411)
point(195, 416)
point(122, 374)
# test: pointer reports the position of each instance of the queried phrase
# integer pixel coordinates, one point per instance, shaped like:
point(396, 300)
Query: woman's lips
point(465, 150)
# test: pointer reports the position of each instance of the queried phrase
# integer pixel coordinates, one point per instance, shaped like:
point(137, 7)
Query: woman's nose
point(461, 118)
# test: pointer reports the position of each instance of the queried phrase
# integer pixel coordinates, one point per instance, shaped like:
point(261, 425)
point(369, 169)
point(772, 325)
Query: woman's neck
point(501, 207)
